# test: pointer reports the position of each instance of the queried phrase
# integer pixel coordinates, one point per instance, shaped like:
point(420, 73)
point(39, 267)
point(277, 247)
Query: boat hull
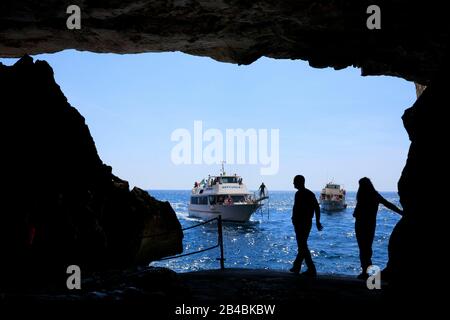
point(328, 205)
point(236, 212)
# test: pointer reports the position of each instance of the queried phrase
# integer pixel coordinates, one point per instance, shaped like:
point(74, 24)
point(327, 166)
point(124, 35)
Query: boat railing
point(218, 245)
point(258, 195)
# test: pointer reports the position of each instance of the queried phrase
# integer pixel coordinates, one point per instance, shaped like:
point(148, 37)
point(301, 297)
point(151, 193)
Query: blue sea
point(267, 241)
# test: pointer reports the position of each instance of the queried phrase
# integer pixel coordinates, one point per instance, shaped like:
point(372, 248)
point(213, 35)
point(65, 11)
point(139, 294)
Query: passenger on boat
point(262, 190)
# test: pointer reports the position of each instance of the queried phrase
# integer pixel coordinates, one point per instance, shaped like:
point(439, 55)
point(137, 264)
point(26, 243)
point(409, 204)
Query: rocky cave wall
point(61, 204)
point(418, 242)
point(411, 43)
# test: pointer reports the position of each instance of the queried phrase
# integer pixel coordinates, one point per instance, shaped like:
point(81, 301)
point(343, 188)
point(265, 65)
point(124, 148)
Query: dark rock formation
point(410, 44)
point(417, 245)
point(61, 204)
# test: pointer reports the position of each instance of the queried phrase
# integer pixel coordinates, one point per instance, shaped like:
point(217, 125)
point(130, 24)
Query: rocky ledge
point(217, 294)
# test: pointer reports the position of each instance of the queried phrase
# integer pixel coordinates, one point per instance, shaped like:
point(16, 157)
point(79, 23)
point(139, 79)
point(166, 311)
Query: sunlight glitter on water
point(268, 241)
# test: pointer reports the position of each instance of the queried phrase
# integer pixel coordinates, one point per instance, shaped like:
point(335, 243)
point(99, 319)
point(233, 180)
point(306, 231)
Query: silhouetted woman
point(367, 202)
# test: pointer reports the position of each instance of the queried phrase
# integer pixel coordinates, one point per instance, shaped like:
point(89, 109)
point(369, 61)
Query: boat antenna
point(223, 169)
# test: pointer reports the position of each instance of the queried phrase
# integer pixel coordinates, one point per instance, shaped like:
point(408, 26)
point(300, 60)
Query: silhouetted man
point(302, 213)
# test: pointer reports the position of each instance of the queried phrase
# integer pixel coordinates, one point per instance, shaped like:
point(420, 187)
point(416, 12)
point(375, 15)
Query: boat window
point(203, 200)
point(194, 200)
point(212, 200)
point(238, 198)
point(229, 179)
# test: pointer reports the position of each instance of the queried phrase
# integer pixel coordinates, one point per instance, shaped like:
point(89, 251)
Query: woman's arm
point(389, 205)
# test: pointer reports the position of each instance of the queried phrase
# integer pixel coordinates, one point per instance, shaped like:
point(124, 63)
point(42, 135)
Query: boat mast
point(223, 169)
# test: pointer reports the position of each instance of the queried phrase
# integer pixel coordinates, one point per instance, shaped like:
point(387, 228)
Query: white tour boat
point(332, 198)
point(224, 195)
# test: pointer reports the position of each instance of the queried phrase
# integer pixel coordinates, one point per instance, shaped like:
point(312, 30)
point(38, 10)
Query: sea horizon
point(270, 190)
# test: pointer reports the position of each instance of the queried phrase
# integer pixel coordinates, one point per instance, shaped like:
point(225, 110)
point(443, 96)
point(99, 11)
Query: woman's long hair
point(366, 191)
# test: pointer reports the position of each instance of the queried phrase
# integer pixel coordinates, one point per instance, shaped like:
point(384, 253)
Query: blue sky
point(332, 124)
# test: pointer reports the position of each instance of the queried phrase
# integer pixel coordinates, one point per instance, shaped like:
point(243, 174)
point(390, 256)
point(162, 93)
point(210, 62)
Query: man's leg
point(299, 259)
point(302, 234)
point(308, 259)
point(297, 262)
point(306, 253)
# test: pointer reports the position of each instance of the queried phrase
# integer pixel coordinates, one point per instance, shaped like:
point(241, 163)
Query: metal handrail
point(219, 242)
point(170, 232)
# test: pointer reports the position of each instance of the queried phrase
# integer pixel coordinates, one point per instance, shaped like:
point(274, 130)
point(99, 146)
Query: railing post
point(220, 239)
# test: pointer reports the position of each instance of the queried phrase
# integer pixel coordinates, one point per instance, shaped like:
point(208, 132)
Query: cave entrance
point(331, 126)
